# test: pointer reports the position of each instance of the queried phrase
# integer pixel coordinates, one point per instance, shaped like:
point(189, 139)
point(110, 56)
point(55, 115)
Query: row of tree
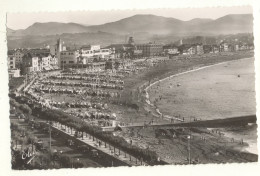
point(23, 107)
point(72, 122)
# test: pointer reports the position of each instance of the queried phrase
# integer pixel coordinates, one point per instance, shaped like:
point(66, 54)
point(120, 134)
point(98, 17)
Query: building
point(13, 73)
point(199, 49)
point(46, 63)
point(187, 49)
point(12, 70)
point(231, 47)
point(89, 50)
point(102, 53)
point(210, 49)
point(131, 50)
point(243, 47)
point(96, 65)
point(131, 41)
point(207, 49)
point(236, 47)
point(251, 46)
point(54, 62)
point(91, 47)
point(69, 58)
point(150, 49)
point(223, 47)
point(30, 63)
point(40, 51)
point(55, 50)
point(124, 64)
point(215, 49)
point(137, 53)
point(11, 62)
point(124, 51)
point(94, 51)
point(40, 64)
point(170, 49)
point(191, 50)
point(44, 56)
point(120, 50)
point(18, 54)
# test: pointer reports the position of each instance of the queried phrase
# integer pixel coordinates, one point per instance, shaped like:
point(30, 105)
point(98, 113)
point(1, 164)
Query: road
point(106, 149)
point(58, 143)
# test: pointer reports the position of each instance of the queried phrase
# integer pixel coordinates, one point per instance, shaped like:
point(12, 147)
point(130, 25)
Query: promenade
point(101, 146)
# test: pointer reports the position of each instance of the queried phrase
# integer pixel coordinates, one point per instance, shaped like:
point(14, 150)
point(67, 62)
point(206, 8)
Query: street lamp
point(189, 157)
point(189, 148)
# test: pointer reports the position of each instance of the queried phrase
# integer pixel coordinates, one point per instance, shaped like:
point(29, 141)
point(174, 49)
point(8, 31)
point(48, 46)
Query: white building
point(54, 61)
point(46, 63)
point(89, 51)
point(102, 53)
point(93, 51)
point(223, 47)
point(13, 73)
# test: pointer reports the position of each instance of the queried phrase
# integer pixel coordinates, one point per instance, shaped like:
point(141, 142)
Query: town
point(94, 96)
point(83, 90)
point(26, 61)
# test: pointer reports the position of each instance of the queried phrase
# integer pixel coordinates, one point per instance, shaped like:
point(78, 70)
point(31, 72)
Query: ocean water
point(248, 133)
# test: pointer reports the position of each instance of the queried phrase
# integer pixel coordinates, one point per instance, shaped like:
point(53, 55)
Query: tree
point(117, 64)
point(26, 109)
point(109, 65)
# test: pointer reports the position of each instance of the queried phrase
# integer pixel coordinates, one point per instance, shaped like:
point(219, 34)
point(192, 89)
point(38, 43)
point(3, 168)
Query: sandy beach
point(220, 91)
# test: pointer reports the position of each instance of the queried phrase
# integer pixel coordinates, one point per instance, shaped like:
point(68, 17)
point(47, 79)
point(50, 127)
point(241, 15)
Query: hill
point(141, 23)
point(239, 23)
point(50, 28)
point(199, 21)
point(144, 28)
point(37, 41)
point(230, 24)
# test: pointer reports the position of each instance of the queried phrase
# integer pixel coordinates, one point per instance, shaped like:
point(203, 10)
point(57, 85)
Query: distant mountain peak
point(203, 19)
point(197, 21)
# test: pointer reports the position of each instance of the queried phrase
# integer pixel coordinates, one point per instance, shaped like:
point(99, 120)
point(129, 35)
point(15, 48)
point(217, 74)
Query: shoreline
point(147, 96)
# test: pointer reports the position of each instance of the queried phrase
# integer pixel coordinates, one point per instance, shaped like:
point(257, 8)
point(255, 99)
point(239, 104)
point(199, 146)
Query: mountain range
point(144, 28)
point(152, 24)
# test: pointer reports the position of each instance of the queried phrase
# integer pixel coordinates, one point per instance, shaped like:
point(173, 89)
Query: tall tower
point(131, 41)
point(59, 48)
point(181, 42)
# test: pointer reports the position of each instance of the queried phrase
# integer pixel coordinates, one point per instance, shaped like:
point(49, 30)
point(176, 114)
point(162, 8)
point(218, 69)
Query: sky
point(24, 20)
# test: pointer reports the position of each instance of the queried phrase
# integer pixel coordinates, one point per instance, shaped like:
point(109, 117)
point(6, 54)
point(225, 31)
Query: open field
point(220, 91)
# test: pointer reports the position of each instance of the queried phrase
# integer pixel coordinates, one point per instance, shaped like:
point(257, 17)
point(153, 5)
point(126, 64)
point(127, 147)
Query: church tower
point(59, 48)
point(131, 41)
